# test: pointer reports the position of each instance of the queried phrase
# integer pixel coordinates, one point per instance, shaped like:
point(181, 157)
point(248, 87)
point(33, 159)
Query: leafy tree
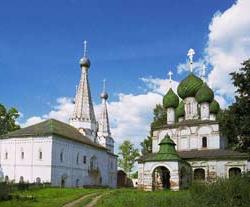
point(159, 119)
point(241, 108)
point(146, 145)
point(127, 155)
point(8, 119)
point(235, 121)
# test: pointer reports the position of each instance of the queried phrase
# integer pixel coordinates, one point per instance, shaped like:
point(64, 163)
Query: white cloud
point(228, 45)
point(130, 116)
point(197, 66)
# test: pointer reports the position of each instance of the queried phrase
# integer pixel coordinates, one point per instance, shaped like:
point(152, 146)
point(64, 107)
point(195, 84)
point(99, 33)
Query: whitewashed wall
point(30, 167)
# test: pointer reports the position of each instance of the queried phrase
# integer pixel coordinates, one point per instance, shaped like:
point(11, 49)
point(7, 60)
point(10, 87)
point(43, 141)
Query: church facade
point(68, 155)
point(200, 152)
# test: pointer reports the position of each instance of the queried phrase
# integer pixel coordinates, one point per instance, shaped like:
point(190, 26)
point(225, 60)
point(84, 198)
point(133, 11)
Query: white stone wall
point(188, 138)
point(191, 108)
point(50, 168)
point(170, 115)
point(30, 167)
point(219, 168)
point(204, 109)
point(71, 170)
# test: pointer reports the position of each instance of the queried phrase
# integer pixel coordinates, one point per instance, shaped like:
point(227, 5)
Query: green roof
point(170, 99)
point(204, 94)
point(167, 151)
point(214, 107)
point(52, 127)
point(189, 86)
point(180, 111)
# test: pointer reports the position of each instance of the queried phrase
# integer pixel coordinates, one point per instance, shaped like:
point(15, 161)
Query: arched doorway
point(160, 178)
point(199, 174)
point(234, 171)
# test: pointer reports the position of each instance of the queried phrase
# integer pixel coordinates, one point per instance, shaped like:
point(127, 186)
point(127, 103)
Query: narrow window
point(77, 159)
point(84, 159)
point(22, 155)
point(6, 155)
point(61, 156)
point(204, 142)
point(40, 155)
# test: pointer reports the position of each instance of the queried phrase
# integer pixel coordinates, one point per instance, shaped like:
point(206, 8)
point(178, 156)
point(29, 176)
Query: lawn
point(48, 197)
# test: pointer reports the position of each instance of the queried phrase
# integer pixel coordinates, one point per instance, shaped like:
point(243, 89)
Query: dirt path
point(79, 200)
point(94, 201)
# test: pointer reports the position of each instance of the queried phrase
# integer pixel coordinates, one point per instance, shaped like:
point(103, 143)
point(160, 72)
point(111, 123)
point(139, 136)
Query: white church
point(80, 153)
point(189, 146)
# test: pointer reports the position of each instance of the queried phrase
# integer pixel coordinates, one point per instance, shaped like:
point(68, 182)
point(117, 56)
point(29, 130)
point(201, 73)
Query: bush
point(224, 193)
point(5, 190)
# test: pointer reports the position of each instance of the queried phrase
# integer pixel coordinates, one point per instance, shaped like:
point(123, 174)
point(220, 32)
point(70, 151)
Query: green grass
point(233, 192)
point(48, 197)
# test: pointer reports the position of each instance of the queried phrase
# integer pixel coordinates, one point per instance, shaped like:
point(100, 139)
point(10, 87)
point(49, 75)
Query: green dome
point(170, 99)
point(189, 86)
point(214, 107)
point(204, 94)
point(180, 111)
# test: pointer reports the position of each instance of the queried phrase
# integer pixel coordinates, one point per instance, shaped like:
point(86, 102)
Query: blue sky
point(41, 43)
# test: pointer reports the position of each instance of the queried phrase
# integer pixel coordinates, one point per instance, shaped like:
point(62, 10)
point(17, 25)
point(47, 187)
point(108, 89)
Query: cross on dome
point(85, 48)
point(190, 55)
point(203, 72)
point(170, 77)
point(104, 85)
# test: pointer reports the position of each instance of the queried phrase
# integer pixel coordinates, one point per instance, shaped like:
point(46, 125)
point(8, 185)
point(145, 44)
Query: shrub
point(5, 190)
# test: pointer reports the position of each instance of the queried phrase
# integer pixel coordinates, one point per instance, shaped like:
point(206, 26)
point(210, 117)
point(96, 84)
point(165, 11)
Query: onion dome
point(85, 62)
point(214, 107)
point(189, 86)
point(170, 99)
point(204, 94)
point(180, 111)
point(104, 95)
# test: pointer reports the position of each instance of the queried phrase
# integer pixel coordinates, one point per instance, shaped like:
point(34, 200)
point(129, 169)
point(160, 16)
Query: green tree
point(127, 155)
point(235, 121)
point(8, 119)
point(159, 120)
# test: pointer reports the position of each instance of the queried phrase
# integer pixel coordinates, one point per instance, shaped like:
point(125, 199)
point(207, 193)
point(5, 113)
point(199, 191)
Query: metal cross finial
point(104, 85)
point(85, 48)
point(203, 72)
point(191, 54)
point(170, 78)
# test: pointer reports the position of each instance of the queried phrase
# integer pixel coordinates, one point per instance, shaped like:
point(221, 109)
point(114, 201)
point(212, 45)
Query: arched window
point(77, 159)
point(6, 155)
point(22, 155)
point(21, 180)
point(6, 178)
point(84, 159)
point(234, 171)
point(199, 174)
point(61, 156)
point(204, 142)
point(38, 180)
point(40, 154)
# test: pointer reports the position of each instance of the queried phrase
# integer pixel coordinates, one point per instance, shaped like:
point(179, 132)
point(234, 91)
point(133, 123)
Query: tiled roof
point(52, 127)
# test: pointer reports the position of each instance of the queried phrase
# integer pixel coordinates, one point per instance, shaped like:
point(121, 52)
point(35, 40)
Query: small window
point(6, 155)
point(204, 142)
point(61, 156)
point(84, 159)
point(77, 159)
point(40, 155)
point(22, 155)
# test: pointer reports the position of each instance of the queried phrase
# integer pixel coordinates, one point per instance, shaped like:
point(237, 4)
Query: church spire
point(83, 116)
point(190, 55)
point(104, 129)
